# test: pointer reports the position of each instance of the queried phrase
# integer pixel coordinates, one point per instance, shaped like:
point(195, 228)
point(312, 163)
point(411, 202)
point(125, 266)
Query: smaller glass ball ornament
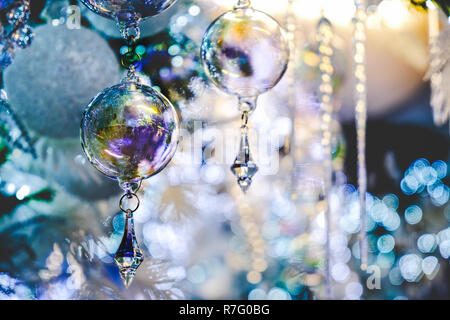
point(148, 27)
point(129, 132)
point(126, 10)
point(245, 52)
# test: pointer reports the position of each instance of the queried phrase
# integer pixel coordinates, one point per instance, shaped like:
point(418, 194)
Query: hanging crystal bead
point(360, 85)
point(243, 167)
point(129, 256)
point(130, 60)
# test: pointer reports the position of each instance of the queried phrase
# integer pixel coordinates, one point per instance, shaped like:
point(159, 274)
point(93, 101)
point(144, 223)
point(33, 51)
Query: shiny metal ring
point(129, 195)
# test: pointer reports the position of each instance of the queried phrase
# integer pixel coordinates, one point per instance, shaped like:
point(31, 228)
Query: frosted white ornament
point(49, 83)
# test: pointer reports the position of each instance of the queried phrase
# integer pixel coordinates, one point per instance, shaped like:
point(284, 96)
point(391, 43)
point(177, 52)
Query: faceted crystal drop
point(129, 256)
point(244, 168)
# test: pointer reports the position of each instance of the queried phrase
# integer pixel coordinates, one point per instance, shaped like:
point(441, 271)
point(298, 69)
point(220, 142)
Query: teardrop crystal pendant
point(243, 167)
point(129, 256)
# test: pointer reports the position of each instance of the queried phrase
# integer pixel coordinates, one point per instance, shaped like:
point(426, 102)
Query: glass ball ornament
point(129, 132)
point(245, 52)
point(147, 27)
point(126, 10)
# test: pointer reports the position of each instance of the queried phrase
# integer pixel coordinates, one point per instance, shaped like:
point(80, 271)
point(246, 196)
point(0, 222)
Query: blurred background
point(203, 238)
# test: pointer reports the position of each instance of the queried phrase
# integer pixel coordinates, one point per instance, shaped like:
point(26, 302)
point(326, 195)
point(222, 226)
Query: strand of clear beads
point(360, 91)
point(257, 244)
point(325, 36)
point(291, 26)
point(440, 100)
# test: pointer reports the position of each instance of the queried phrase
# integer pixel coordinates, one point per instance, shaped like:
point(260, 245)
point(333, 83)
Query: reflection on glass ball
point(125, 10)
point(245, 52)
point(129, 132)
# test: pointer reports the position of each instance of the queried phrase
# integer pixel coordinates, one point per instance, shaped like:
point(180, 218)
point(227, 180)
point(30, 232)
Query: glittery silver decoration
point(439, 69)
point(359, 57)
point(51, 82)
point(325, 37)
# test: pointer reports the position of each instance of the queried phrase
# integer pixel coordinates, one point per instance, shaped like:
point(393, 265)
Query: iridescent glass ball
point(245, 52)
point(125, 10)
point(129, 132)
